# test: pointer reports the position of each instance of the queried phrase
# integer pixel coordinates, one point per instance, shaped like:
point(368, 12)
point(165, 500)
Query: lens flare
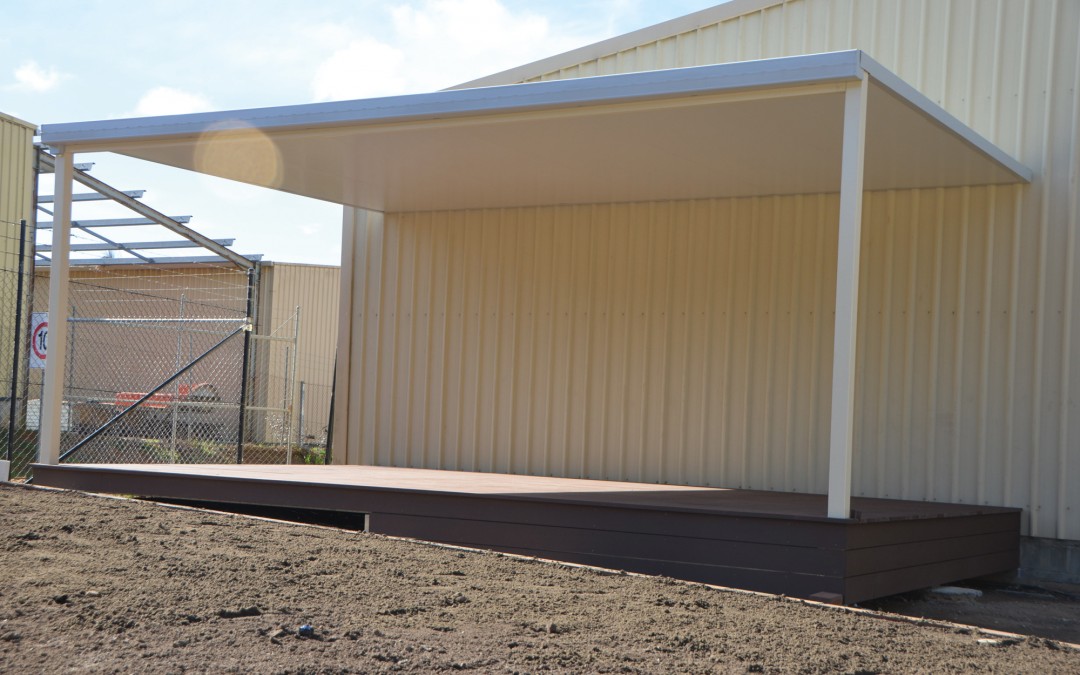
point(241, 152)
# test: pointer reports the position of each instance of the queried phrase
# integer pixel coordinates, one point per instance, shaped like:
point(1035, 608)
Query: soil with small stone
point(91, 584)
point(1048, 610)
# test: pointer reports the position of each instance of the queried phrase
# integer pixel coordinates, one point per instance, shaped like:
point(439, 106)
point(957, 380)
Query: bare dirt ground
point(102, 585)
point(1048, 610)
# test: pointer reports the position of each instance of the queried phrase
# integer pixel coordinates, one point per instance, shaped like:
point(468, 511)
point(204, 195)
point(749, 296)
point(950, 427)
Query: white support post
point(841, 430)
point(52, 398)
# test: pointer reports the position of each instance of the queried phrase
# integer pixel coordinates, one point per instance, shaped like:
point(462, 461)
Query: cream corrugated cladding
point(690, 342)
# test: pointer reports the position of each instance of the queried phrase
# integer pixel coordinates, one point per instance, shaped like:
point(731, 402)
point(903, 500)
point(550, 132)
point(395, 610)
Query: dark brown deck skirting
point(767, 541)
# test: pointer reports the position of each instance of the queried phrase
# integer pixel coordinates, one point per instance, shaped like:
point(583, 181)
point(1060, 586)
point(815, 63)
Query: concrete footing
point(1055, 560)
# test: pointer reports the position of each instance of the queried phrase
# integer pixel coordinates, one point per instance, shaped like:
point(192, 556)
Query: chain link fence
point(272, 393)
point(162, 363)
point(313, 417)
point(158, 353)
point(155, 367)
point(16, 289)
point(155, 372)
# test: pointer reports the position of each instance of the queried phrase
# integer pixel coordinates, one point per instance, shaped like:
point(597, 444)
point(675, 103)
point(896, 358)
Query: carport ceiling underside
point(751, 128)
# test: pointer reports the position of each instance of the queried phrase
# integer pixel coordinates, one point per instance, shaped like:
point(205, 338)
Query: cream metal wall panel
point(16, 177)
point(669, 342)
point(691, 342)
point(993, 418)
point(314, 289)
point(16, 203)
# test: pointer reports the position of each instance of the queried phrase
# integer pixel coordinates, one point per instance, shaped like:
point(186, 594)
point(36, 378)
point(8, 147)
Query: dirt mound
point(95, 584)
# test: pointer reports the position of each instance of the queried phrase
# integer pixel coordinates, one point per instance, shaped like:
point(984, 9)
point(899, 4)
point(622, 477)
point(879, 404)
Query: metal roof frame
point(139, 245)
point(128, 198)
point(91, 196)
point(158, 261)
point(113, 222)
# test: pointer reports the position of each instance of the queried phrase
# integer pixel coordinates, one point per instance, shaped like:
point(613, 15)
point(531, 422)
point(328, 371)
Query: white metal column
point(842, 427)
point(52, 398)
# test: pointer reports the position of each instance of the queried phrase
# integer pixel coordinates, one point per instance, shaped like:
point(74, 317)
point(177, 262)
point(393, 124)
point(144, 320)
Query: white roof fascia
point(515, 98)
point(722, 12)
point(913, 97)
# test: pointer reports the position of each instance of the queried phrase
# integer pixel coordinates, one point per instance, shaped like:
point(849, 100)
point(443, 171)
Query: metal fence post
point(16, 343)
point(240, 433)
point(294, 376)
point(328, 453)
point(176, 387)
point(300, 420)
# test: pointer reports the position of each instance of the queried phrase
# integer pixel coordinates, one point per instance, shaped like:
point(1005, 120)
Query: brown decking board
point(770, 541)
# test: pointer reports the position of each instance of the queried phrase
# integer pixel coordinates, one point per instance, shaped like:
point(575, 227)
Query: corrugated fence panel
point(16, 203)
point(985, 407)
point(16, 170)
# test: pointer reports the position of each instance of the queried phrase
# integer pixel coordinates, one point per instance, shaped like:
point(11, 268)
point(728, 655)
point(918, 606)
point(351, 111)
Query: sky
point(80, 60)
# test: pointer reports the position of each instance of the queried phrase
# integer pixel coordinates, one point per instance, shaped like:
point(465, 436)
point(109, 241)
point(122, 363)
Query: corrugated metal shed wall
point(313, 288)
point(1004, 401)
point(583, 352)
point(16, 203)
point(611, 341)
point(16, 176)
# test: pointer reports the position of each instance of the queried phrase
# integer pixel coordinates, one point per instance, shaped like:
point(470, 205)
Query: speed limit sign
point(39, 337)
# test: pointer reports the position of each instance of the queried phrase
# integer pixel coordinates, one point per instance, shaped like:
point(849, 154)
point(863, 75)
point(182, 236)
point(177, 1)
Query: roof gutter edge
point(531, 97)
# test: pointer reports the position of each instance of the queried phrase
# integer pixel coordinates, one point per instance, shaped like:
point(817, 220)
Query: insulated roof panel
point(752, 128)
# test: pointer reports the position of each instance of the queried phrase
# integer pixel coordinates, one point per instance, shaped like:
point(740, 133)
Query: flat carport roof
point(750, 128)
point(835, 122)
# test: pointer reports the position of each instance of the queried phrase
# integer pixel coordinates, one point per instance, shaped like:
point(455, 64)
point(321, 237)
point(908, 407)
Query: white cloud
point(362, 69)
point(474, 26)
point(169, 101)
point(32, 76)
point(434, 44)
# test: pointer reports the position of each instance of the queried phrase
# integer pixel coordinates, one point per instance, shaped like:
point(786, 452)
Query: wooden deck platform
point(769, 541)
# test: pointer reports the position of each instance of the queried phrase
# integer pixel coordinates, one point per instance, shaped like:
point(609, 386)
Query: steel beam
point(91, 196)
point(129, 246)
point(170, 260)
point(156, 216)
point(81, 166)
point(113, 222)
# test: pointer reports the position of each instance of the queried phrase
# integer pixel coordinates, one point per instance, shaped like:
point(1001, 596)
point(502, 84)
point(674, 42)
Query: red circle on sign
point(34, 339)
